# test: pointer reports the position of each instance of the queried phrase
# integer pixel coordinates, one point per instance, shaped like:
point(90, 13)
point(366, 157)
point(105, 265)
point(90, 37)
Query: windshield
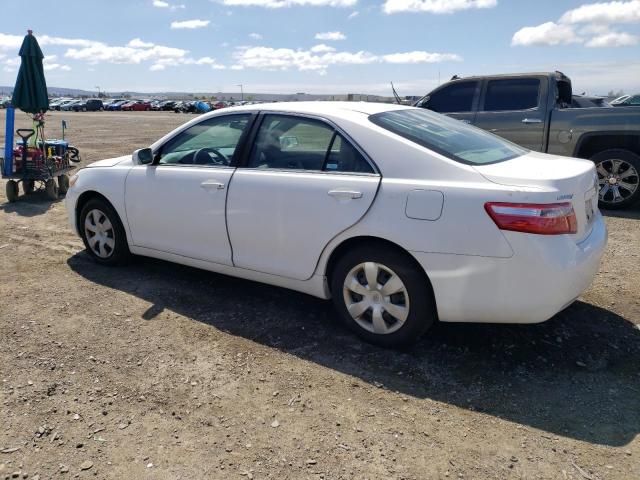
point(446, 136)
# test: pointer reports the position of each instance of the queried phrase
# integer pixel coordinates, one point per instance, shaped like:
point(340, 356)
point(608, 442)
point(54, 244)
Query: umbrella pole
point(8, 142)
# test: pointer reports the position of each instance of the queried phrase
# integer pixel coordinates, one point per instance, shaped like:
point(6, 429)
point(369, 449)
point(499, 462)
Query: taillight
point(541, 219)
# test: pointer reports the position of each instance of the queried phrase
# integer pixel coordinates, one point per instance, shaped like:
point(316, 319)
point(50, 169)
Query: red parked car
point(137, 106)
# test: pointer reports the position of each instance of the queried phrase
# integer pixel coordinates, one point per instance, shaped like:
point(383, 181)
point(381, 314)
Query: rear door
point(457, 99)
point(514, 109)
point(302, 184)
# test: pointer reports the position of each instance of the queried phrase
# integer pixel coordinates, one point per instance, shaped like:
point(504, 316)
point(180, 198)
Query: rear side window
point(512, 94)
point(300, 143)
point(448, 137)
point(457, 97)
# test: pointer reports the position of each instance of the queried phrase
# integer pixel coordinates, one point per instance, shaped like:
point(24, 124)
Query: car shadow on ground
point(576, 375)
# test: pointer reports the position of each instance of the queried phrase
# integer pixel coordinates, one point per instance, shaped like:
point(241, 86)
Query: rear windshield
point(449, 137)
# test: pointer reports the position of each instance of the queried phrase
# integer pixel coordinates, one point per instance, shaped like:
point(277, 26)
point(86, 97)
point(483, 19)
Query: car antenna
point(395, 94)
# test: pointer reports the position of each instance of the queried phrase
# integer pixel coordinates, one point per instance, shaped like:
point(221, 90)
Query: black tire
point(120, 254)
point(63, 184)
point(28, 186)
point(421, 304)
point(51, 189)
point(630, 166)
point(11, 190)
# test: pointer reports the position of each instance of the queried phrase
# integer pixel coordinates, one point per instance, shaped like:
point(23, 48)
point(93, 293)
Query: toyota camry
point(401, 216)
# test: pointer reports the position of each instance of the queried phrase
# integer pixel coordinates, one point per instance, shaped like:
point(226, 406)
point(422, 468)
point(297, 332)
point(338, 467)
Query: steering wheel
point(202, 157)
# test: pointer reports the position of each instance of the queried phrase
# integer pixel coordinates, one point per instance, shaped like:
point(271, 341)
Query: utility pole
point(98, 91)
point(241, 92)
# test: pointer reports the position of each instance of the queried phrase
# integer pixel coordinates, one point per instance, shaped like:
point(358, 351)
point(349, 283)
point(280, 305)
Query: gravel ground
point(165, 372)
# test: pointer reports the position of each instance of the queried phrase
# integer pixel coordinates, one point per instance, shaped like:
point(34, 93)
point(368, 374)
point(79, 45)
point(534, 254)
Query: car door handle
point(345, 194)
point(531, 120)
point(212, 185)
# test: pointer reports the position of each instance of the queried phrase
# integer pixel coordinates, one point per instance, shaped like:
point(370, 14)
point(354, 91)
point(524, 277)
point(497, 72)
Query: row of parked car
point(137, 105)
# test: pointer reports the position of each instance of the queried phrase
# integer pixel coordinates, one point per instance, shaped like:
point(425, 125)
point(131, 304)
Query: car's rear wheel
point(618, 178)
point(382, 295)
point(102, 233)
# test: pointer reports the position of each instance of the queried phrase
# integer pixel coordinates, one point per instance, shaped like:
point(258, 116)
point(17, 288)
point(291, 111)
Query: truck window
point(457, 97)
point(511, 94)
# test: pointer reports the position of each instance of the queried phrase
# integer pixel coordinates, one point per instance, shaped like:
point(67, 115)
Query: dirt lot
point(165, 372)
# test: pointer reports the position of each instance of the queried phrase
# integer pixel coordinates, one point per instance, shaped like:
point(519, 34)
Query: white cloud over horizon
point(435, 6)
point(320, 57)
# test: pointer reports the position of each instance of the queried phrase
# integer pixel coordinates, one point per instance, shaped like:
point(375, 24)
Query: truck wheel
point(618, 178)
point(51, 188)
point(12, 191)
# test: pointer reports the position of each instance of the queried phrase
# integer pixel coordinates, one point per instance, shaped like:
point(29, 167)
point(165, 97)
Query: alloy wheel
point(376, 298)
point(99, 233)
point(617, 180)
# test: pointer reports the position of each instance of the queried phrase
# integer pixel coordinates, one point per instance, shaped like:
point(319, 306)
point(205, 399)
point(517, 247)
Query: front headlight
point(73, 180)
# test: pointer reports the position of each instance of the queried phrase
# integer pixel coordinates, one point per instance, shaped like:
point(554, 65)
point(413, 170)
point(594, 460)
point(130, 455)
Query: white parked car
point(400, 215)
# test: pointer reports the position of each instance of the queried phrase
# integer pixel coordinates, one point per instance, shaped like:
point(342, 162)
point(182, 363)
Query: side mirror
point(144, 156)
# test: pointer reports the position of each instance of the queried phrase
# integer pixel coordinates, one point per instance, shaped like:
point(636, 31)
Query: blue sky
point(321, 46)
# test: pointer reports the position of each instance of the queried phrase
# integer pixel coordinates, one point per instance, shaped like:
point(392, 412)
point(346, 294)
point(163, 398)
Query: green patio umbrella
point(30, 93)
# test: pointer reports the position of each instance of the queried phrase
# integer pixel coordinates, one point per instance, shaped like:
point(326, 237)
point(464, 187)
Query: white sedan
point(400, 215)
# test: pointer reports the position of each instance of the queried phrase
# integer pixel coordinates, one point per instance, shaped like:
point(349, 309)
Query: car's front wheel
point(102, 233)
point(382, 295)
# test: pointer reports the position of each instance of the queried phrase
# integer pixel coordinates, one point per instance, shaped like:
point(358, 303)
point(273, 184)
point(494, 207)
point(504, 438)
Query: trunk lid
point(566, 179)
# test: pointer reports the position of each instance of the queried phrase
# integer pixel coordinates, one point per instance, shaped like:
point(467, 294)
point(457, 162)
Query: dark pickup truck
point(534, 110)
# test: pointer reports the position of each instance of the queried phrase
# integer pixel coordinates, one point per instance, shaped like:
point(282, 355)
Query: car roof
point(335, 109)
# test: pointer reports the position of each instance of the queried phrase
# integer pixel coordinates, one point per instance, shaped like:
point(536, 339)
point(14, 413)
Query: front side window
point(300, 143)
point(211, 142)
point(512, 94)
point(457, 97)
point(446, 136)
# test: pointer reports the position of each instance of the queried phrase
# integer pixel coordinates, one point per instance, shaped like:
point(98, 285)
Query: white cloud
point(137, 43)
point(549, 33)
point(606, 12)
point(156, 67)
point(421, 57)
point(290, 3)
point(255, 36)
point(163, 4)
point(189, 24)
point(322, 48)
point(14, 42)
point(333, 36)
point(435, 6)
point(320, 58)
point(353, 15)
point(592, 20)
point(612, 39)
point(125, 55)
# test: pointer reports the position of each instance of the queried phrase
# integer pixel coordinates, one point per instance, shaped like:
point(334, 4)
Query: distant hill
point(279, 97)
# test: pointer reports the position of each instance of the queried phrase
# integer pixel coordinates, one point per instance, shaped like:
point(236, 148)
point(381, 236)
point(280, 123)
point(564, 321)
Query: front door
point(177, 204)
point(303, 184)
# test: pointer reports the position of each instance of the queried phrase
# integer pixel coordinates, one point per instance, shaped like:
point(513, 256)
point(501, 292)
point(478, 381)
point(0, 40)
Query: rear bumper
point(545, 275)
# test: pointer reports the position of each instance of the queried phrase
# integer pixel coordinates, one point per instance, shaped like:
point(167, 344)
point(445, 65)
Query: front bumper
point(545, 275)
